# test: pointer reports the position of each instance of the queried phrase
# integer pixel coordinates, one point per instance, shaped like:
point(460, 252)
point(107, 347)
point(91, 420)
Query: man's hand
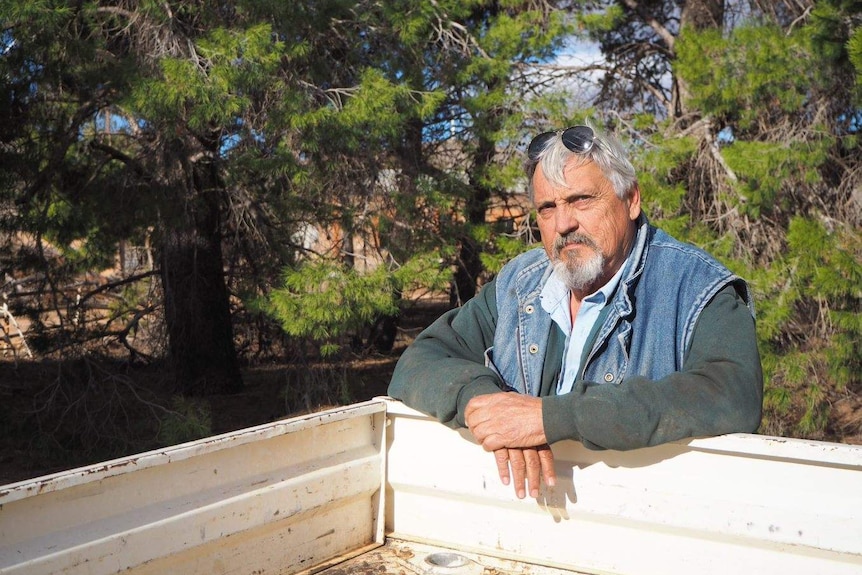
point(531, 463)
point(510, 425)
point(499, 420)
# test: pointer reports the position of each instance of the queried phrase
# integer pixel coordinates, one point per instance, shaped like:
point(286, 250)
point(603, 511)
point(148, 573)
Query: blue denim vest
point(652, 315)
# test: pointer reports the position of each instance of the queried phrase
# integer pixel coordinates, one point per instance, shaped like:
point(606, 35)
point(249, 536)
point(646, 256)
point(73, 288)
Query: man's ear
point(634, 202)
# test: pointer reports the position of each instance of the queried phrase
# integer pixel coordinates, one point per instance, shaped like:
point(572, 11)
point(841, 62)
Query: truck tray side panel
point(731, 504)
point(276, 498)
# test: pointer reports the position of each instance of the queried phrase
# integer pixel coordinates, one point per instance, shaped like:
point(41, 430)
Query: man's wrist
point(481, 385)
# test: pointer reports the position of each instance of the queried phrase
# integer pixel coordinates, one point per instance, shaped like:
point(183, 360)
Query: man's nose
point(566, 219)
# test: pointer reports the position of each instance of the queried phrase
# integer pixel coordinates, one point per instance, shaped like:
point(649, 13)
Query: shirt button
point(533, 348)
point(529, 308)
point(609, 377)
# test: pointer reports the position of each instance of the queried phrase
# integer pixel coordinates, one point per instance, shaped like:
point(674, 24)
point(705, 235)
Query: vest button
point(529, 308)
point(533, 348)
point(609, 377)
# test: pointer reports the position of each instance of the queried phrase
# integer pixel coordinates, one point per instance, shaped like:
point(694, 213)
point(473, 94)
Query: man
point(614, 334)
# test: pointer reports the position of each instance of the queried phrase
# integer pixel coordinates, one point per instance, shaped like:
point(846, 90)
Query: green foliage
point(824, 261)
point(376, 108)
point(505, 248)
point(324, 301)
point(214, 89)
point(745, 76)
point(854, 50)
point(836, 32)
point(768, 86)
point(663, 197)
point(599, 22)
point(765, 168)
point(422, 273)
point(131, 300)
point(810, 296)
point(187, 420)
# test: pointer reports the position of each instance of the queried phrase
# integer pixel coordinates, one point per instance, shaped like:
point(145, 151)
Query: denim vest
point(647, 330)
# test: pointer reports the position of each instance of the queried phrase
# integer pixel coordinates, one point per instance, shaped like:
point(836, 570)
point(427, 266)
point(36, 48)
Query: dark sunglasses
point(577, 139)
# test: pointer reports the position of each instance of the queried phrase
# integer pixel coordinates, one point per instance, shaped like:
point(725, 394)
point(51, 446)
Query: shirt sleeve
point(444, 367)
point(719, 390)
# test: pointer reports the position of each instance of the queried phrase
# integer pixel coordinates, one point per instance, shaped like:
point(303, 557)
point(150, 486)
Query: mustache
point(573, 238)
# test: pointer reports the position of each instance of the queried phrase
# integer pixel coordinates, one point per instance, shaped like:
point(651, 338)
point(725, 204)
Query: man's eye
point(545, 210)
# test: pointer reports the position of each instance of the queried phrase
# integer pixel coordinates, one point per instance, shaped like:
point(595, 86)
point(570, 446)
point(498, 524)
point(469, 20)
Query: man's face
point(587, 230)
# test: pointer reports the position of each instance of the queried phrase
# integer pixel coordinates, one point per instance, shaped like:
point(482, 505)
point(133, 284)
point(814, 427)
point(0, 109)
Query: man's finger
point(546, 459)
point(534, 471)
point(519, 471)
point(502, 458)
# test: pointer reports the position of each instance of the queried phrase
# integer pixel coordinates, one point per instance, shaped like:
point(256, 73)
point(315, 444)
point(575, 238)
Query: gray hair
point(607, 153)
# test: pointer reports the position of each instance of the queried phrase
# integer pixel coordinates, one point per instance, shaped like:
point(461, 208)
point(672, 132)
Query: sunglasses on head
point(577, 139)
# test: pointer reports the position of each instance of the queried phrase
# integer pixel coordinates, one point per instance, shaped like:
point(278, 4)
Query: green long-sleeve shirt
point(718, 390)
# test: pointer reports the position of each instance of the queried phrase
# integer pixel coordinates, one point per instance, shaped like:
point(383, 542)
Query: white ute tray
point(377, 488)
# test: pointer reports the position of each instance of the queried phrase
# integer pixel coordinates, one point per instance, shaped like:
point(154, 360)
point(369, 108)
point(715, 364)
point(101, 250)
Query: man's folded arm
point(445, 367)
point(719, 390)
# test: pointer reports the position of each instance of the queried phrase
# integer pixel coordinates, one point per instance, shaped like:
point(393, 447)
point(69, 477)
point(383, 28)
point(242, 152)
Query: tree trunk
point(197, 308)
point(469, 261)
point(200, 335)
point(469, 256)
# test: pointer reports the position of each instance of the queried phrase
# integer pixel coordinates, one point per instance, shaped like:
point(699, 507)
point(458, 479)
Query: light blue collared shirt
point(555, 301)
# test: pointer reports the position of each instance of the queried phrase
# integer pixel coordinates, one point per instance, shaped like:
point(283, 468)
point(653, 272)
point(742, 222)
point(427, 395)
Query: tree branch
point(112, 285)
point(650, 21)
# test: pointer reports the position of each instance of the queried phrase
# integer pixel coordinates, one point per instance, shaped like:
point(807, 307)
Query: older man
point(614, 334)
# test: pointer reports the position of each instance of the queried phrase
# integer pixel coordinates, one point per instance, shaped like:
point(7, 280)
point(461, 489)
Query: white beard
point(577, 273)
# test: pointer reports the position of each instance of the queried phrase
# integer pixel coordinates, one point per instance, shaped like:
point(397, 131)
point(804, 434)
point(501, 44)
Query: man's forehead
point(578, 178)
